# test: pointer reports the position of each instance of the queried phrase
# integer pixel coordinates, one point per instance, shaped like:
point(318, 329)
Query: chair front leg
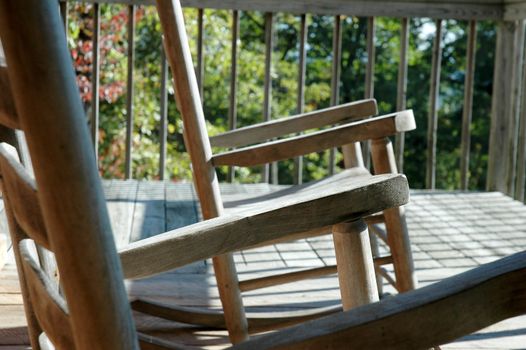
point(355, 264)
point(395, 222)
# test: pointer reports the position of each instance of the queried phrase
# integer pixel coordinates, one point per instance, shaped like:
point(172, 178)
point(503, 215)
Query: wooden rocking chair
point(63, 210)
point(353, 129)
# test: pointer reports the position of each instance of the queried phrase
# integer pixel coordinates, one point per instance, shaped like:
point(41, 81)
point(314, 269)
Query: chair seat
point(321, 204)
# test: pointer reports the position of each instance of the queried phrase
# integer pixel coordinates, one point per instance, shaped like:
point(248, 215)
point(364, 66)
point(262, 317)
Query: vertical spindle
point(300, 102)
point(95, 80)
point(369, 78)
point(335, 78)
point(232, 110)
point(200, 69)
point(269, 43)
point(129, 96)
point(163, 129)
point(468, 104)
point(433, 107)
point(401, 93)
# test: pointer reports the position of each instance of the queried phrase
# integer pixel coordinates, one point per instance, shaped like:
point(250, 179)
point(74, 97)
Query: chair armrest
point(367, 129)
point(295, 124)
point(8, 116)
point(366, 195)
point(421, 319)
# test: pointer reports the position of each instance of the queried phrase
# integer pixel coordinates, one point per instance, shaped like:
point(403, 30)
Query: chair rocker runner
point(347, 237)
point(63, 210)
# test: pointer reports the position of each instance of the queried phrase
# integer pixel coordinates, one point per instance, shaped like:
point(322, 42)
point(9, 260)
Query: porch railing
point(507, 139)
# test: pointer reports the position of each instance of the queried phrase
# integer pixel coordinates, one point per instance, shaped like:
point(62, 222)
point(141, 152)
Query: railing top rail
point(455, 9)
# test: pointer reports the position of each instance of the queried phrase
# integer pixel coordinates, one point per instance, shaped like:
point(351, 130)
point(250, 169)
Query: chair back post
point(198, 146)
point(70, 193)
point(189, 104)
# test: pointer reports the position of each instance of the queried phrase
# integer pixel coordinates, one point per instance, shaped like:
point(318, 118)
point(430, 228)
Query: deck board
point(451, 232)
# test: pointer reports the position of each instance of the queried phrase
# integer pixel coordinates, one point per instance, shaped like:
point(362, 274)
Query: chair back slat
point(50, 308)
point(26, 208)
point(8, 116)
point(70, 193)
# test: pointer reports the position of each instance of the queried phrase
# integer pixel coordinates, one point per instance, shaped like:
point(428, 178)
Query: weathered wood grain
point(258, 321)
point(267, 281)
point(198, 146)
point(299, 145)
point(366, 195)
point(8, 114)
point(419, 319)
point(354, 260)
point(456, 9)
point(521, 146)
point(50, 308)
point(294, 124)
point(502, 108)
point(26, 207)
point(397, 235)
point(71, 199)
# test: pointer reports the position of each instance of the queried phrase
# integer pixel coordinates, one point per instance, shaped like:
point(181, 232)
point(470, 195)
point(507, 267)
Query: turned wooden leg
point(352, 157)
point(395, 223)
point(355, 264)
point(376, 253)
point(228, 285)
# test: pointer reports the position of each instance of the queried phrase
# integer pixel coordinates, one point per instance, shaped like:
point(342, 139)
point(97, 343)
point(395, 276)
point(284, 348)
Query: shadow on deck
point(450, 231)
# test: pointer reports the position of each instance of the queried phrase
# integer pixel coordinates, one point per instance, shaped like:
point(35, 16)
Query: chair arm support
point(295, 124)
point(420, 319)
point(367, 129)
point(228, 233)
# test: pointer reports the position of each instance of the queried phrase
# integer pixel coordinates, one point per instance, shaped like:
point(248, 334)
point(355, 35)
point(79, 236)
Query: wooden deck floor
point(450, 232)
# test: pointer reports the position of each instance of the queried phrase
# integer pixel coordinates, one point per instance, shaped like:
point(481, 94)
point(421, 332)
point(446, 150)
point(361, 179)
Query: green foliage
point(285, 67)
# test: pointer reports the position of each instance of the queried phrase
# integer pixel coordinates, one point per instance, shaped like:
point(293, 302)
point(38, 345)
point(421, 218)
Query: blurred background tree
point(217, 33)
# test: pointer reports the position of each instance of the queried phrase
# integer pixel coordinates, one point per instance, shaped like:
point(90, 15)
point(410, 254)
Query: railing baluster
point(369, 78)
point(269, 43)
point(200, 69)
point(504, 113)
point(468, 104)
point(369, 72)
point(514, 123)
point(163, 132)
point(335, 78)
point(232, 110)
point(300, 104)
point(433, 107)
point(129, 85)
point(95, 80)
point(401, 93)
point(520, 113)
